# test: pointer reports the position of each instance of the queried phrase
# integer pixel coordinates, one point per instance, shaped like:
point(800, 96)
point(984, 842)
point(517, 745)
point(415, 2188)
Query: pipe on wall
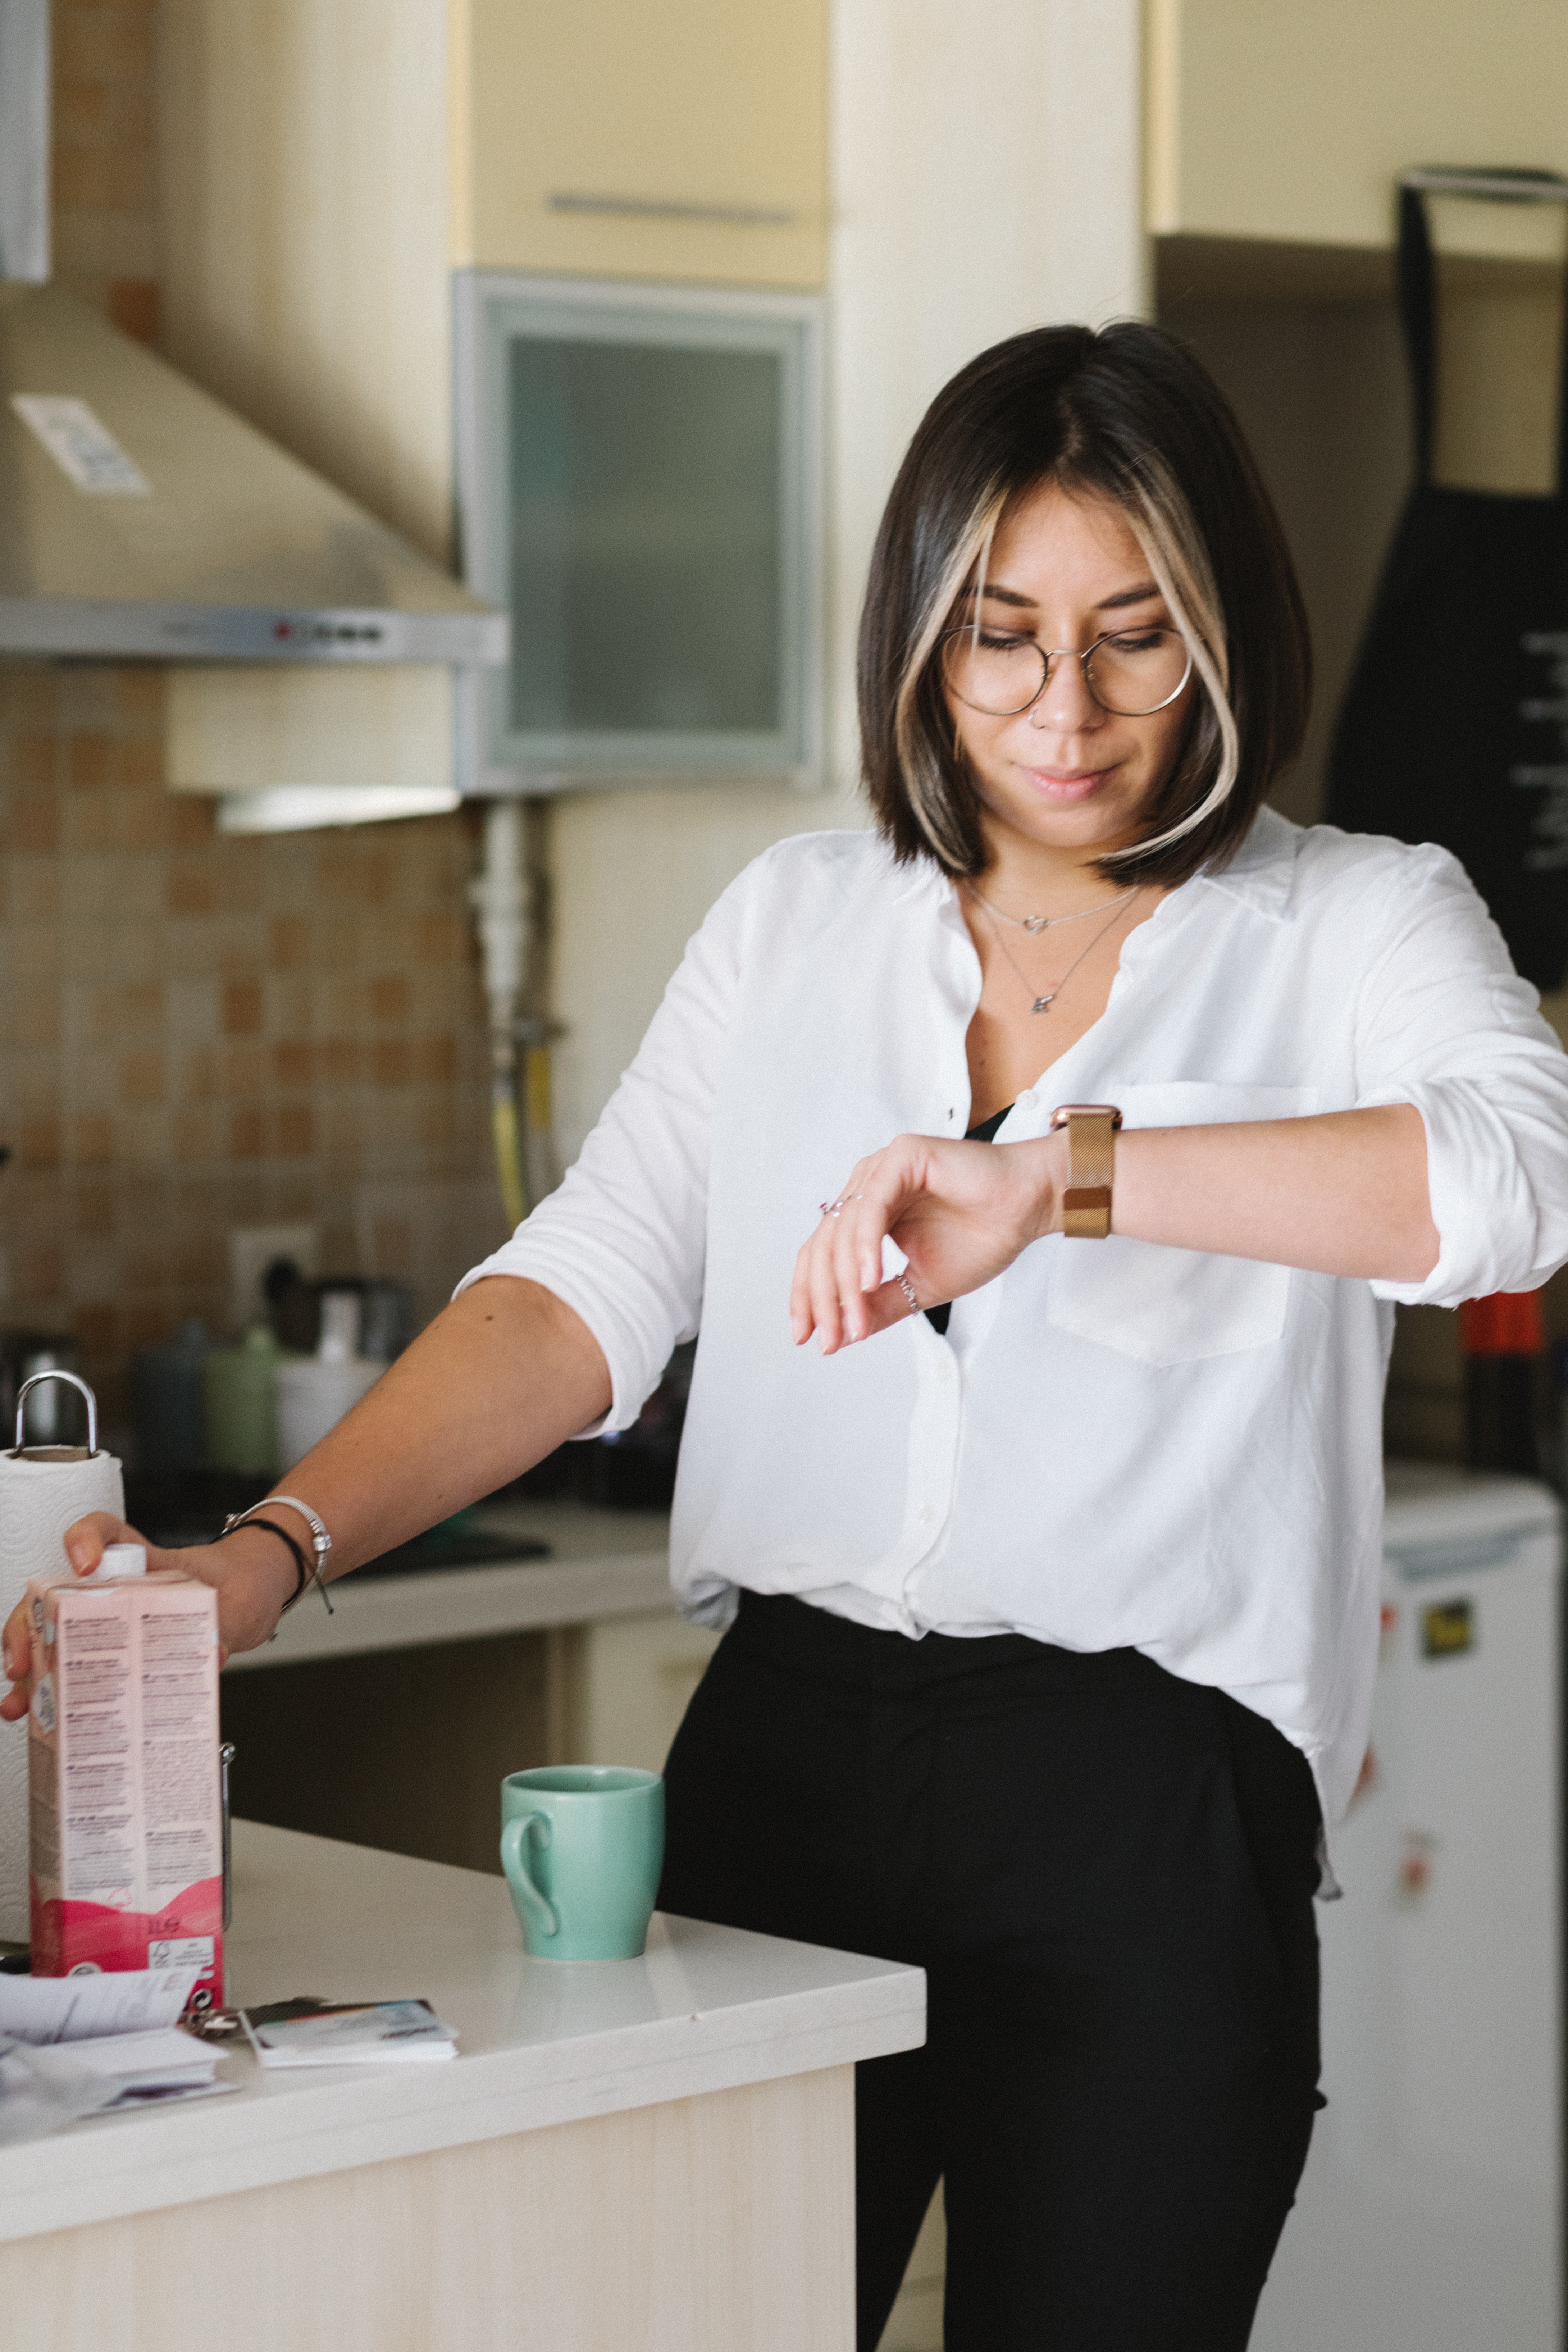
point(500, 903)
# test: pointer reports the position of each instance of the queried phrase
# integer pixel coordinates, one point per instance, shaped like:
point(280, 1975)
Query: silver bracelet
point(321, 1541)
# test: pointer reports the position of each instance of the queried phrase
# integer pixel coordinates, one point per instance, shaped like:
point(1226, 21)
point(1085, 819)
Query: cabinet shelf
point(1245, 270)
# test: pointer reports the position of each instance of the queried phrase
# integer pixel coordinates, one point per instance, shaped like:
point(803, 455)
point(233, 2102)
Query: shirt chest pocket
point(1170, 1306)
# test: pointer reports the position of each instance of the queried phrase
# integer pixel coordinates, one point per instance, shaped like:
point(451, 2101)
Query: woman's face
point(1066, 774)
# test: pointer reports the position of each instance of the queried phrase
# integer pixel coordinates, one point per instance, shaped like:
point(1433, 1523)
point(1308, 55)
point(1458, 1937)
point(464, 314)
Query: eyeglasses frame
point(1050, 653)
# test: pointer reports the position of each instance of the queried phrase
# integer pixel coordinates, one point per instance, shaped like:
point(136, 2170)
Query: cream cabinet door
point(628, 1681)
point(677, 139)
point(1291, 121)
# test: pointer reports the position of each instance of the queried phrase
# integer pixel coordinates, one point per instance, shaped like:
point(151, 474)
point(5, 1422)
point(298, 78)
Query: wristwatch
point(1085, 1203)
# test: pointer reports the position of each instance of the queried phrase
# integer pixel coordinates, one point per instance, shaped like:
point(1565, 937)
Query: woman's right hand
point(250, 1570)
point(502, 1376)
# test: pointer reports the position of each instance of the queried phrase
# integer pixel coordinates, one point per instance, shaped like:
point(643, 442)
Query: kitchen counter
point(631, 2154)
point(601, 1564)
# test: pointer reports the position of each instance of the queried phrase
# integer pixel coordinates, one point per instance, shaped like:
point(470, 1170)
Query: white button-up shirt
point(1116, 1443)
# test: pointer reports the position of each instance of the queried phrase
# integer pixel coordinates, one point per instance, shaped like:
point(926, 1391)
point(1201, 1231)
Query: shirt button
point(927, 1514)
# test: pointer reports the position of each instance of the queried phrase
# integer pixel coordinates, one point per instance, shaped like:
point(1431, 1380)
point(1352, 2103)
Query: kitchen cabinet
point(628, 1681)
point(679, 138)
point(405, 1748)
point(1291, 124)
point(656, 2153)
point(326, 164)
point(391, 1722)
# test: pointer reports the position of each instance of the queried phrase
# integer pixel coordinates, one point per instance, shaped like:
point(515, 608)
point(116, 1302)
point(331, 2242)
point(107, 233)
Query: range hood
point(141, 519)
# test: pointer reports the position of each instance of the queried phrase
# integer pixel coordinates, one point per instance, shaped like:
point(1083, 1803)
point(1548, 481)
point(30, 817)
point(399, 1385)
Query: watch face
point(1064, 1111)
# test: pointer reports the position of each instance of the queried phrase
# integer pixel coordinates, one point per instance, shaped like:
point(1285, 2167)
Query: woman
point(1052, 1609)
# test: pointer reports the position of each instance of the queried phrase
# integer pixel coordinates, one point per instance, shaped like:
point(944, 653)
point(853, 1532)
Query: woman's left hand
point(961, 1212)
point(1343, 1192)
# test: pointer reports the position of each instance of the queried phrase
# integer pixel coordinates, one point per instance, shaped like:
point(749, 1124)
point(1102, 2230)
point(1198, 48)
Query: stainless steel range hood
point(141, 519)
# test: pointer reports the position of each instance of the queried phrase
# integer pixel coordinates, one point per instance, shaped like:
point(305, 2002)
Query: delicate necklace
point(1044, 1003)
point(1038, 923)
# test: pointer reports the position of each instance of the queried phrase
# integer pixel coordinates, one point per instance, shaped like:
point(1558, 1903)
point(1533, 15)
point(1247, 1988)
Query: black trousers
point(1108, 1875)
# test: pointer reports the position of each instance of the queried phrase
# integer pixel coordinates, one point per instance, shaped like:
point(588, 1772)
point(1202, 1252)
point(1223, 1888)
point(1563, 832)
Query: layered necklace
point(1037, 923)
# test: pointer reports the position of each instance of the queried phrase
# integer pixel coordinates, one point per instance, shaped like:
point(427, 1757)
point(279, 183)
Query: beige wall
point(964, 205)
point(967, 204)
point(198, 1032)
point(313, 295)
point(310, 290)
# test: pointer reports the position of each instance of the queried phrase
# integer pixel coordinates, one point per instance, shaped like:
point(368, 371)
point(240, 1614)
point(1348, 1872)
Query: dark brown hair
point(1129, 415)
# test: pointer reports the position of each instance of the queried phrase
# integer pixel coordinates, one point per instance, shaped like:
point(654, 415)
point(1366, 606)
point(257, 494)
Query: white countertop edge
point(182, 2156)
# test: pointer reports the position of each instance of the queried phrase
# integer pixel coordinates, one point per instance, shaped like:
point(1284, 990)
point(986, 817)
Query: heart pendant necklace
point(1044, 1002)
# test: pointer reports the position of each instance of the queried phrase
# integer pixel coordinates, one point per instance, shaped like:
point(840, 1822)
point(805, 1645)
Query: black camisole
point(984, 1133)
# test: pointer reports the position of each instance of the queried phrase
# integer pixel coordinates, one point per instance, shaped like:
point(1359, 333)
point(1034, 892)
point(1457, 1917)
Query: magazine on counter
point(346, 2032)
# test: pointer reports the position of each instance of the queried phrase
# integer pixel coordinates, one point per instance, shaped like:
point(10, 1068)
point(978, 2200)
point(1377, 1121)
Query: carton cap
point(122, 1559)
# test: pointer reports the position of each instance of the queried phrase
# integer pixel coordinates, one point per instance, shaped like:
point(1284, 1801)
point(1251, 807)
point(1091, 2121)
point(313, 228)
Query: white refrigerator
point(1430, 2216)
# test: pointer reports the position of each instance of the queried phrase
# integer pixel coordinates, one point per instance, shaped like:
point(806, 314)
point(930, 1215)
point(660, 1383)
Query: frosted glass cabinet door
point(639, 493)
point(645, 539)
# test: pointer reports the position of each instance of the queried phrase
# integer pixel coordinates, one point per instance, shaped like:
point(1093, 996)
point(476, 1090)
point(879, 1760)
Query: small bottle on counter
point(166, 1400)
point(239, 1404)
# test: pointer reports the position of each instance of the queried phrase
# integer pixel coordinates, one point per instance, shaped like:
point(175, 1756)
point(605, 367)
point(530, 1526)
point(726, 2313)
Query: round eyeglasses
point(1132, 673)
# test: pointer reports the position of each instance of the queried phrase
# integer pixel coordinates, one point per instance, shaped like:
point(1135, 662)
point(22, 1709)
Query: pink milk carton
point(122, 1756)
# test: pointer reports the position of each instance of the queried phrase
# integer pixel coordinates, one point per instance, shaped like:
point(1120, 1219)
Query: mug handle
point(513, 1839)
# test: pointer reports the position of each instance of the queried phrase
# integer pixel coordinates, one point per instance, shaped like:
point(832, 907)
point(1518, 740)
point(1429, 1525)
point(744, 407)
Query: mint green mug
point(581, 1846)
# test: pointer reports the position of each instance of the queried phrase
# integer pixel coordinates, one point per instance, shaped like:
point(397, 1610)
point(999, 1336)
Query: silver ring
point(836, 1208)
point(907, 1286)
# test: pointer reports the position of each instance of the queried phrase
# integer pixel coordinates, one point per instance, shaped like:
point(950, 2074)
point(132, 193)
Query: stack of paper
point(342, 2033)
point(73, 2046)
point(160, 2064)
point(69, 2009)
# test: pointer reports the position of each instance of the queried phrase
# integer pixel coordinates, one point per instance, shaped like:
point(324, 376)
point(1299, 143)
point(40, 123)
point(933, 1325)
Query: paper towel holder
point(20, 1452)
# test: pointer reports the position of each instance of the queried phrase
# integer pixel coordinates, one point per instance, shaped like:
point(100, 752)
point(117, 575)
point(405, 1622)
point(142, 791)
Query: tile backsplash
point(199, 1031)
point(104, 191)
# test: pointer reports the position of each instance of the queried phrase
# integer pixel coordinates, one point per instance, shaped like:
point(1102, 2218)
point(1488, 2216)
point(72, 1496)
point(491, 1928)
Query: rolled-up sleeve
point(1445, 1023)
point(623, 1239)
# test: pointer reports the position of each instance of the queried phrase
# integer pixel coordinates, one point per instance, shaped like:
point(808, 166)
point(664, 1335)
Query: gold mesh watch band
point(1085, 1203)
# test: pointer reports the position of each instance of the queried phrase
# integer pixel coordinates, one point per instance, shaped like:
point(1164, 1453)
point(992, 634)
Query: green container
point(239, 1404)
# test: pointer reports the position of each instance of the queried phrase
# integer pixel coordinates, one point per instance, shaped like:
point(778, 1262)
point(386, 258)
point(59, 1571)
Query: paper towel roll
point(38, 1500)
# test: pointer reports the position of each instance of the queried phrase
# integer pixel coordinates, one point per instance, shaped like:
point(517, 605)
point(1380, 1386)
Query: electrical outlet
point(251, 1250)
